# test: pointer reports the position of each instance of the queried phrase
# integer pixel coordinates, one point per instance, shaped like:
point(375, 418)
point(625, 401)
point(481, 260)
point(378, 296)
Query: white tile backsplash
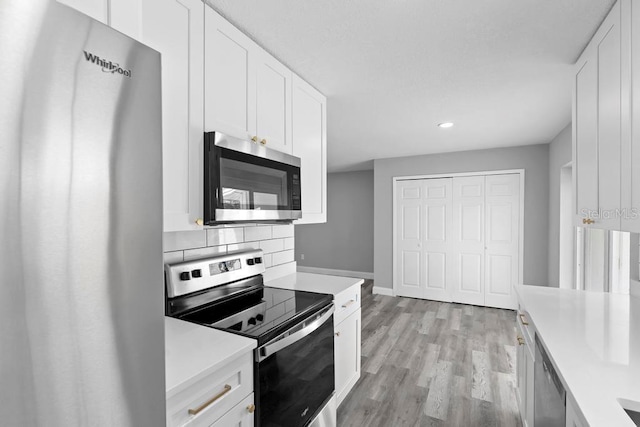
point(243, 246)
point(273, 245)
point(225, 236)
point(289, 242)
point(181, 240)
point(277, 242)
point(204, 252)
point(252, 234)
point(171, 257)
point(280, 231)
point(283, 257)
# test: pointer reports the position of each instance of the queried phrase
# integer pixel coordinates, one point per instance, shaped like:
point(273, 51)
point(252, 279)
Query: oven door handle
point(284, 341)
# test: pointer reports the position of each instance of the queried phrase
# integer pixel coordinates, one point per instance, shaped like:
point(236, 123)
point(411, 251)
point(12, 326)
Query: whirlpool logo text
point(107, 66)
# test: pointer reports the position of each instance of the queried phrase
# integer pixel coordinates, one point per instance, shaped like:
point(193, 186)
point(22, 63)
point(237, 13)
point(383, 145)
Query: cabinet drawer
point(241, 415)
point(524, 323)
point(346, 302)
point(212, 396)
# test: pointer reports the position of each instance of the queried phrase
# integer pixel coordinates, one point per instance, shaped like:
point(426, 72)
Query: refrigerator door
point(81, 313)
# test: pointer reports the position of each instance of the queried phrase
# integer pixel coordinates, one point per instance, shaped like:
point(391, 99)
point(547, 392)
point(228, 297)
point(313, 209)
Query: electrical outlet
point(302, 257)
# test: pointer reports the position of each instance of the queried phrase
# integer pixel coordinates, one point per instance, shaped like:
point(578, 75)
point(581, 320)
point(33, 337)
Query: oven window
point(250, 186)
point(296, 381)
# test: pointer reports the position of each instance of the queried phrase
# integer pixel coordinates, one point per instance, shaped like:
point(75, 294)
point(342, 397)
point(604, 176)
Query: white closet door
point(502, 239)
point(436, 238)
point(408, 235)
point(468, 240)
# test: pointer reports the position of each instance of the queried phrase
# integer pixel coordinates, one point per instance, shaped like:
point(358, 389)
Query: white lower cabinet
point(242, 415)
point(525, 370)
point(347, 340)
point(347, 353)
point(574, 417)
point(223, 397)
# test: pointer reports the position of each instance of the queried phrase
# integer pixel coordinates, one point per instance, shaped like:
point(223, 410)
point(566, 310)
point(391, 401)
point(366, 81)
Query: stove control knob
point(252, 321)
point(196, 273)
point(260, 317)
point(250, 261)
point(258, 260)
point(185, 276)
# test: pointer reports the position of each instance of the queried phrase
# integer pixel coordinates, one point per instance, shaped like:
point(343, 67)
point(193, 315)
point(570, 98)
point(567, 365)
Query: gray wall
point(345, 242)
point(559, 155)
point(533, 158)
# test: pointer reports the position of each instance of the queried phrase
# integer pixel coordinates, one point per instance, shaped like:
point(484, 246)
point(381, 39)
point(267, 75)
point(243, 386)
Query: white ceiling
point(393, 69)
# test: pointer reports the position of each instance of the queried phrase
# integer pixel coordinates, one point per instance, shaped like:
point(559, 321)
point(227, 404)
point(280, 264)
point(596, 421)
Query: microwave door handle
point(269, 349)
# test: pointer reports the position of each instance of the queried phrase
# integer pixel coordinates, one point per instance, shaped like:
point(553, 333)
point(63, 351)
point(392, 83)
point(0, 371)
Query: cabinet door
point(175, 28)
point(241, 415)
point(347, 354)
point(97, 9)
point(230, 78)
point(630, 173)
point(597, 127)
point(522, 378)
point(609, 116)
point(122, 15)
point(585, 139)
point(273, 103)
point(309, 140)
point(529, 401)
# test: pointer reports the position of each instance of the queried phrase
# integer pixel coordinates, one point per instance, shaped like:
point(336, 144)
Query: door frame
point(395, 181)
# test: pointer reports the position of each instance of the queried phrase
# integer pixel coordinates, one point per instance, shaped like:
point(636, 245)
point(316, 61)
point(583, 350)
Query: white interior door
point(458, 239)
point(409, 267)
point(502, 242)
point(467, 281)
point(437, 215)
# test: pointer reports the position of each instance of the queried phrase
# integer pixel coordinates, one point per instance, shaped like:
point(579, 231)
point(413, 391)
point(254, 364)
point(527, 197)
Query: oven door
point(247, 182)
point(295, 373)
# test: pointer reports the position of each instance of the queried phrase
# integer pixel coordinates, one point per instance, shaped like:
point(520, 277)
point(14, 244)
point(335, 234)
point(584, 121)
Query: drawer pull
point(226, 390)
point(524, 320)
point(520, 341)
point(351, 302)
point(251, 408)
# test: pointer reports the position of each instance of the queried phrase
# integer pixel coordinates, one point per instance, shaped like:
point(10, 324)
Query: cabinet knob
point(520, 341)
point(199, 221)
point(254, 139)
point(263, 142)
point(337, 334)
point(251, 408)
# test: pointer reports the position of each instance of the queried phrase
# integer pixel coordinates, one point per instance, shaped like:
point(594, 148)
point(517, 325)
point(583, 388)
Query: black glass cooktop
point(259, 312)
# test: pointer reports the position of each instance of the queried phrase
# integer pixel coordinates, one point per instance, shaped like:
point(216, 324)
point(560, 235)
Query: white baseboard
point(383, 291)
point(333, 272)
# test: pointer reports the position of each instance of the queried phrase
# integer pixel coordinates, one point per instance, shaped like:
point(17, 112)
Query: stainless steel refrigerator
point(81, 282)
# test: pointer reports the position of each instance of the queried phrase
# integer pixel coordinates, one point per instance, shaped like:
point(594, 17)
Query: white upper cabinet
point(175, 28)
point(598, 127)
point(630, 170)
point(247, 91)
point(273, 103)
point(310, 144)
point(122, 15)
point(230, 78)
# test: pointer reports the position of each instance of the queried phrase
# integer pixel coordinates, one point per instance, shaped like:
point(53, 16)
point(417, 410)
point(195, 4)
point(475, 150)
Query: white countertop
point(193, 351)
point(310, 282)
point(593, 340)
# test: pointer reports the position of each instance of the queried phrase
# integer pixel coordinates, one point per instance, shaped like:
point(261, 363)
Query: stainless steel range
point(294, 361)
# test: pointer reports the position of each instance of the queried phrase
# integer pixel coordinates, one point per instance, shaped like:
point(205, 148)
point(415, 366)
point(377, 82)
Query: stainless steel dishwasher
point(550, 397)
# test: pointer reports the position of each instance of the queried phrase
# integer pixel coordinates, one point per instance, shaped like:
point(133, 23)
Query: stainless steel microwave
point(247, 182)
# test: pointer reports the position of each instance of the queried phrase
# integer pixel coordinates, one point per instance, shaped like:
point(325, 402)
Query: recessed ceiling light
point(445, 125)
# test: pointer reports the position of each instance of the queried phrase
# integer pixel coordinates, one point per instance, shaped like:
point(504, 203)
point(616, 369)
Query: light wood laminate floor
point(427, 363)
